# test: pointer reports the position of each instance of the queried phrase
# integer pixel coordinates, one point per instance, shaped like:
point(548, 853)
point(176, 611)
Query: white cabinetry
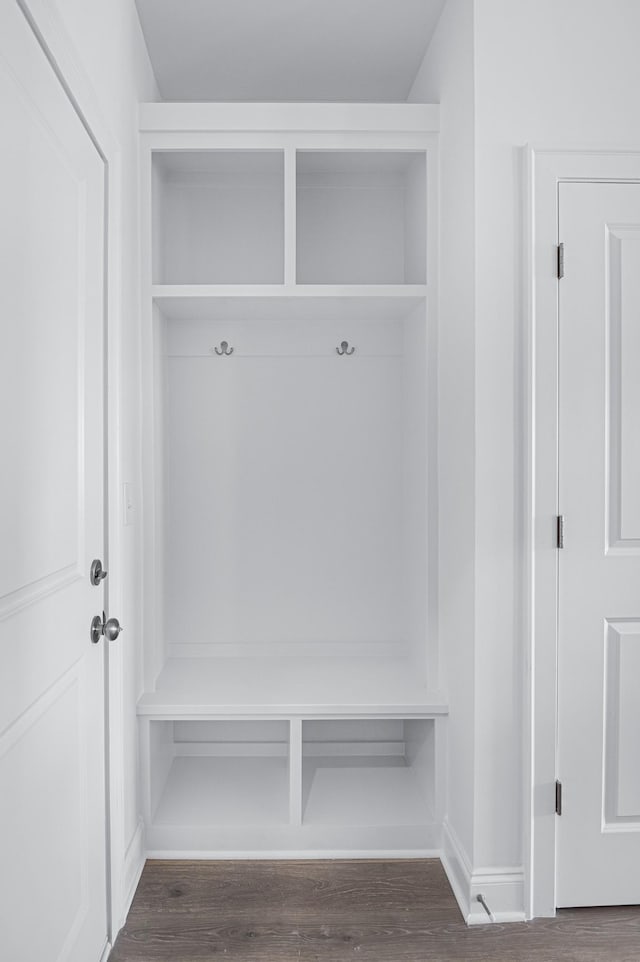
point(292, 696)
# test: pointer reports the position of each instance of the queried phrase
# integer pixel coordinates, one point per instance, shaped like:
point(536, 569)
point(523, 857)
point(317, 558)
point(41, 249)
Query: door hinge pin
point(558, 797)
point(560, 531)
point(560, 263)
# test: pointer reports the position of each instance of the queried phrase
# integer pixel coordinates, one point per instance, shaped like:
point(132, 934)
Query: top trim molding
point(233, 117)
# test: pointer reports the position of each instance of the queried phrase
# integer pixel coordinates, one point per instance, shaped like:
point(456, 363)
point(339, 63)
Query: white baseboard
point(106, 952)
point(502, 888)
point(457, 868)
point(287, 855)
point(503, 892)
point(134, 860)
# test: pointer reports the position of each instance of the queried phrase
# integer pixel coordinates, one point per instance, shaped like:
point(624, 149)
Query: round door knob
point(112, 629)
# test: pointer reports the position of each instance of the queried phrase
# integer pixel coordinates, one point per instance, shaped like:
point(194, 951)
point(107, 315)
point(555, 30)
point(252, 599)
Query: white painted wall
point(446, 77)
point(557, 75)
point(110, 48)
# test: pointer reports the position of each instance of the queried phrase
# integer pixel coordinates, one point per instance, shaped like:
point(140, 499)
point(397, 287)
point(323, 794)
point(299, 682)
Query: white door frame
point(538, 482)
point(57, 47)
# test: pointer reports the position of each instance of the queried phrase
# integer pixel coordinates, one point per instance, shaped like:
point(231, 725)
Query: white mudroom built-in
point(294, 700)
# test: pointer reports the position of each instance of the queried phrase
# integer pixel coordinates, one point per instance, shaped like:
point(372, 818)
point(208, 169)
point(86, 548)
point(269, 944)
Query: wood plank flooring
point(334, 911)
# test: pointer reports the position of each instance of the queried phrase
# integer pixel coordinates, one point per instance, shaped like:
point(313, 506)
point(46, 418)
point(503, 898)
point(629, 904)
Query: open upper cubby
point(361, 217)
point(218, 217)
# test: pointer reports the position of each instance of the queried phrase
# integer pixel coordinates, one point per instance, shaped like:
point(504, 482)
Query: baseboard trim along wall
point(502, 888)
point(133, 865)
point(106, 952)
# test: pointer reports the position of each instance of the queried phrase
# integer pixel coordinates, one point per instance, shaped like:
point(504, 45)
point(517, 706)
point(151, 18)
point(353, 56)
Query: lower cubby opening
point(209, 776)
point(323, 787)
point(368, 773)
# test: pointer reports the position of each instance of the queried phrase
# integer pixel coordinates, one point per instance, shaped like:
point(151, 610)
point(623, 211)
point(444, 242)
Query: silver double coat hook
point(225, 350)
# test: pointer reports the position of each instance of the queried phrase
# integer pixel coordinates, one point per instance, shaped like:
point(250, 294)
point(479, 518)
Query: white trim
point(457, 867)
point(293, 855)
point(133, 865)
point(167, 291)
point(278, 140)
point(546, 168)
point(58, 48)
point(151, 706)
point(281, 749)
point(106, 952)
point(503, 892)
point(501, 887)
point(298, 117)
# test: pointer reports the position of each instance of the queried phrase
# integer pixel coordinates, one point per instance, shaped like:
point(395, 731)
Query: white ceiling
point(287, 50)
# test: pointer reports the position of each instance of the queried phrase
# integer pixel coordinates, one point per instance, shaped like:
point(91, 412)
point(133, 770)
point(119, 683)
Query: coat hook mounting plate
point(345, 349)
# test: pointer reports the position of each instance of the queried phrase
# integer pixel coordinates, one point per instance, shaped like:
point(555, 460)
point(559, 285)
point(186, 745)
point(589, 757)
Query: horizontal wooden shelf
point(286, 686)
point(277, 302)
point(287, 290)
point(202, 120)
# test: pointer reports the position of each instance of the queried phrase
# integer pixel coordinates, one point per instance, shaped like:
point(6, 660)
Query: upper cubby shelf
point(218, 217)
point(322, 219)
point(361, 217)
point(201, 302)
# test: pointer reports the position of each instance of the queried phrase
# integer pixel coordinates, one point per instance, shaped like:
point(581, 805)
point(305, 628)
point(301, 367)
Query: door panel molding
point(537, 473)
point(621, 802)
point(68, 688)
point(30, 594)
point(623, 362)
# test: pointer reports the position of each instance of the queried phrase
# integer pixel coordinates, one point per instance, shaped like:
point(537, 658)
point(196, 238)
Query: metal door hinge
point(558, 797)
point(560, 531)
point(560, 261)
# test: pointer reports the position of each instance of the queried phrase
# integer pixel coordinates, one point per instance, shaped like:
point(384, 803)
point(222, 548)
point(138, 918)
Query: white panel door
point(52, 732)
point(599, 568)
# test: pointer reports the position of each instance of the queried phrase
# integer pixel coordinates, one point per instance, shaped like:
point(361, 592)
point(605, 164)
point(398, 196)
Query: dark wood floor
point(392, 911)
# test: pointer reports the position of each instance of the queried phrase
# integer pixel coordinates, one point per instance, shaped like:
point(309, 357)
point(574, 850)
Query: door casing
point(537, 489)
point(124, 860)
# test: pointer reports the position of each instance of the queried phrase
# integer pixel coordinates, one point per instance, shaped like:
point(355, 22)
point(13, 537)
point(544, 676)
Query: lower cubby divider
point(295, 771)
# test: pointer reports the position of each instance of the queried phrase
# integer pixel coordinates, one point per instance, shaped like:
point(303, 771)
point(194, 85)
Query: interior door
point(598, 832)
point(52, 701)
